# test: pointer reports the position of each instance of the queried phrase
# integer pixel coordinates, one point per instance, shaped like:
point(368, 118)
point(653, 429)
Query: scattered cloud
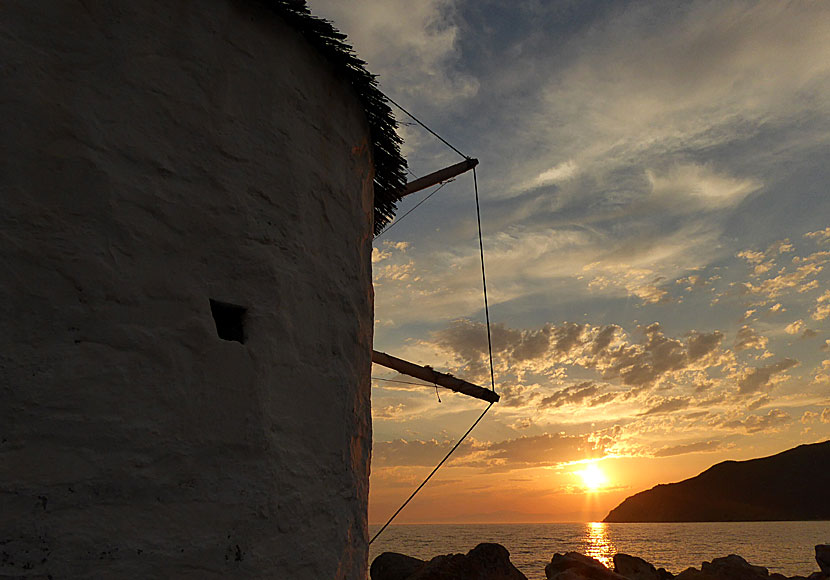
point(774, 420)
point(558, 173)
point(389, 412)
point(822, 308)
point(415, 55)
point(545, 449)
point(820, 236)
point(796, 327)
point(785, 282)
point(754, 380)
point(408, 453)
point(570, 395)
point(682, 449)
point(699, 185)
point(748, 338)
point(607, 350)
point(667, 406)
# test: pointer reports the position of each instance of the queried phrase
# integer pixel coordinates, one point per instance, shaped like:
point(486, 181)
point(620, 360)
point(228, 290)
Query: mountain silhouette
point(791, 485)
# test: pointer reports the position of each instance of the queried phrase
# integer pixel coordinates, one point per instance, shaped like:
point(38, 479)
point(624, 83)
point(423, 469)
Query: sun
point(592, 477)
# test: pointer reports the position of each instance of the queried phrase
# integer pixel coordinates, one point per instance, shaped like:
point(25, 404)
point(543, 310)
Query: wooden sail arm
point(429, 375)
point(439, 176)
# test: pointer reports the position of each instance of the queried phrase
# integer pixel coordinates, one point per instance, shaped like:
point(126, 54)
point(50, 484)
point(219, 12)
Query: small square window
point(229, 319)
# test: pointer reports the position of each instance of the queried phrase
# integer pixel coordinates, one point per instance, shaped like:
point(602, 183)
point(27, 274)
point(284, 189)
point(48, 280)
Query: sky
point(656, 218)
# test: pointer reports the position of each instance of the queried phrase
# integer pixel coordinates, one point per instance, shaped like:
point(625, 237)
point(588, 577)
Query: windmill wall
point(186, 296)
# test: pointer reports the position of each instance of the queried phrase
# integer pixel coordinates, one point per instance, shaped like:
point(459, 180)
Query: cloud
point(697, 281)
point(608, 350)
point(389, 412)
point(822, 308)
point(774, 420)
point(800, 327)
point(414, 56)
point(570, 395)
point(697, 447)
point(785, 281)
point(757, 379)
point(747, 338)
point(667, 406)
point(394, 272)
point(795, 327)
point(558, 173)
point(763, 262)
point(809, 417)
point(516, 395)
point(522, 452)
point(545, 449)
point(416, 453)
point(820, 236)
point(646, 380)
point(700, 186)
point(603, 399)
point(644, 363)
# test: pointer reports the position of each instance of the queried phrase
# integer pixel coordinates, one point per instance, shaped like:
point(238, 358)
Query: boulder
point(735, 567)
point(731, 567)
point(575, 566)
point(394, 566)
point(823, 558)
point(484, 562)
point(635, 568)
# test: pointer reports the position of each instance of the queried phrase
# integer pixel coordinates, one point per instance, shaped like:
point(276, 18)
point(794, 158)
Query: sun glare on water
point(592, 477)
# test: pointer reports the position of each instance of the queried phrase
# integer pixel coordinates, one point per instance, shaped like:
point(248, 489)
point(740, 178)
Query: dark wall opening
point(229, 319)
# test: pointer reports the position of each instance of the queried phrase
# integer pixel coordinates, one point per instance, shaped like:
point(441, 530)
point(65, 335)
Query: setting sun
point(592, 477)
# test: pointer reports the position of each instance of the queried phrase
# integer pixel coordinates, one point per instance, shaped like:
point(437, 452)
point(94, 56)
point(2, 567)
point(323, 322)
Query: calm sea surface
point(785, 547)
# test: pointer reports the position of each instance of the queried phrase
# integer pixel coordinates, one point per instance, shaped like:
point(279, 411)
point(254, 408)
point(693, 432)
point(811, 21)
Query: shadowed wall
point(157, 156)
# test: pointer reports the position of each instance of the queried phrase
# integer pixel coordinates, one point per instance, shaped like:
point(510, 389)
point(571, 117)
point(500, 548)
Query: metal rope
point(422, 124)
point(484, 285)
point(486, 314)
point(447, 456)
point(398, 220)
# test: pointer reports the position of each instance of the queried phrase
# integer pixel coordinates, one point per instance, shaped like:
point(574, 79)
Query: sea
point(784, 547)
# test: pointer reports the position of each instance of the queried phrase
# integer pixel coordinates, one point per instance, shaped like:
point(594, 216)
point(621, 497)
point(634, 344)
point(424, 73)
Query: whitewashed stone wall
point(155, 155)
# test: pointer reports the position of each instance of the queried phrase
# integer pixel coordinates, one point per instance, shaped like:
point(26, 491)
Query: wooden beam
point(434, 377)
point(439, 176)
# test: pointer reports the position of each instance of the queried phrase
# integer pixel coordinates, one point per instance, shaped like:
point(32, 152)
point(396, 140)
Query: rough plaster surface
point(155, 155)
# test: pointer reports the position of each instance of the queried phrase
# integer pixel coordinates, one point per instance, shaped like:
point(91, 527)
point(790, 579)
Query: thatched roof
point(390, 166)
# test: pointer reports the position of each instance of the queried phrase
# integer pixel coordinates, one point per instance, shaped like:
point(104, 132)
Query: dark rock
point(635, 568)
point(823, 557)
point(394, 566)
point(732, 567)
point(484, 562)
point(735, 567)
point(575, 566)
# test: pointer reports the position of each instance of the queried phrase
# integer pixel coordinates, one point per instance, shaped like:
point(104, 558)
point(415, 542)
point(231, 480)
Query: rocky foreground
point(492, 562)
